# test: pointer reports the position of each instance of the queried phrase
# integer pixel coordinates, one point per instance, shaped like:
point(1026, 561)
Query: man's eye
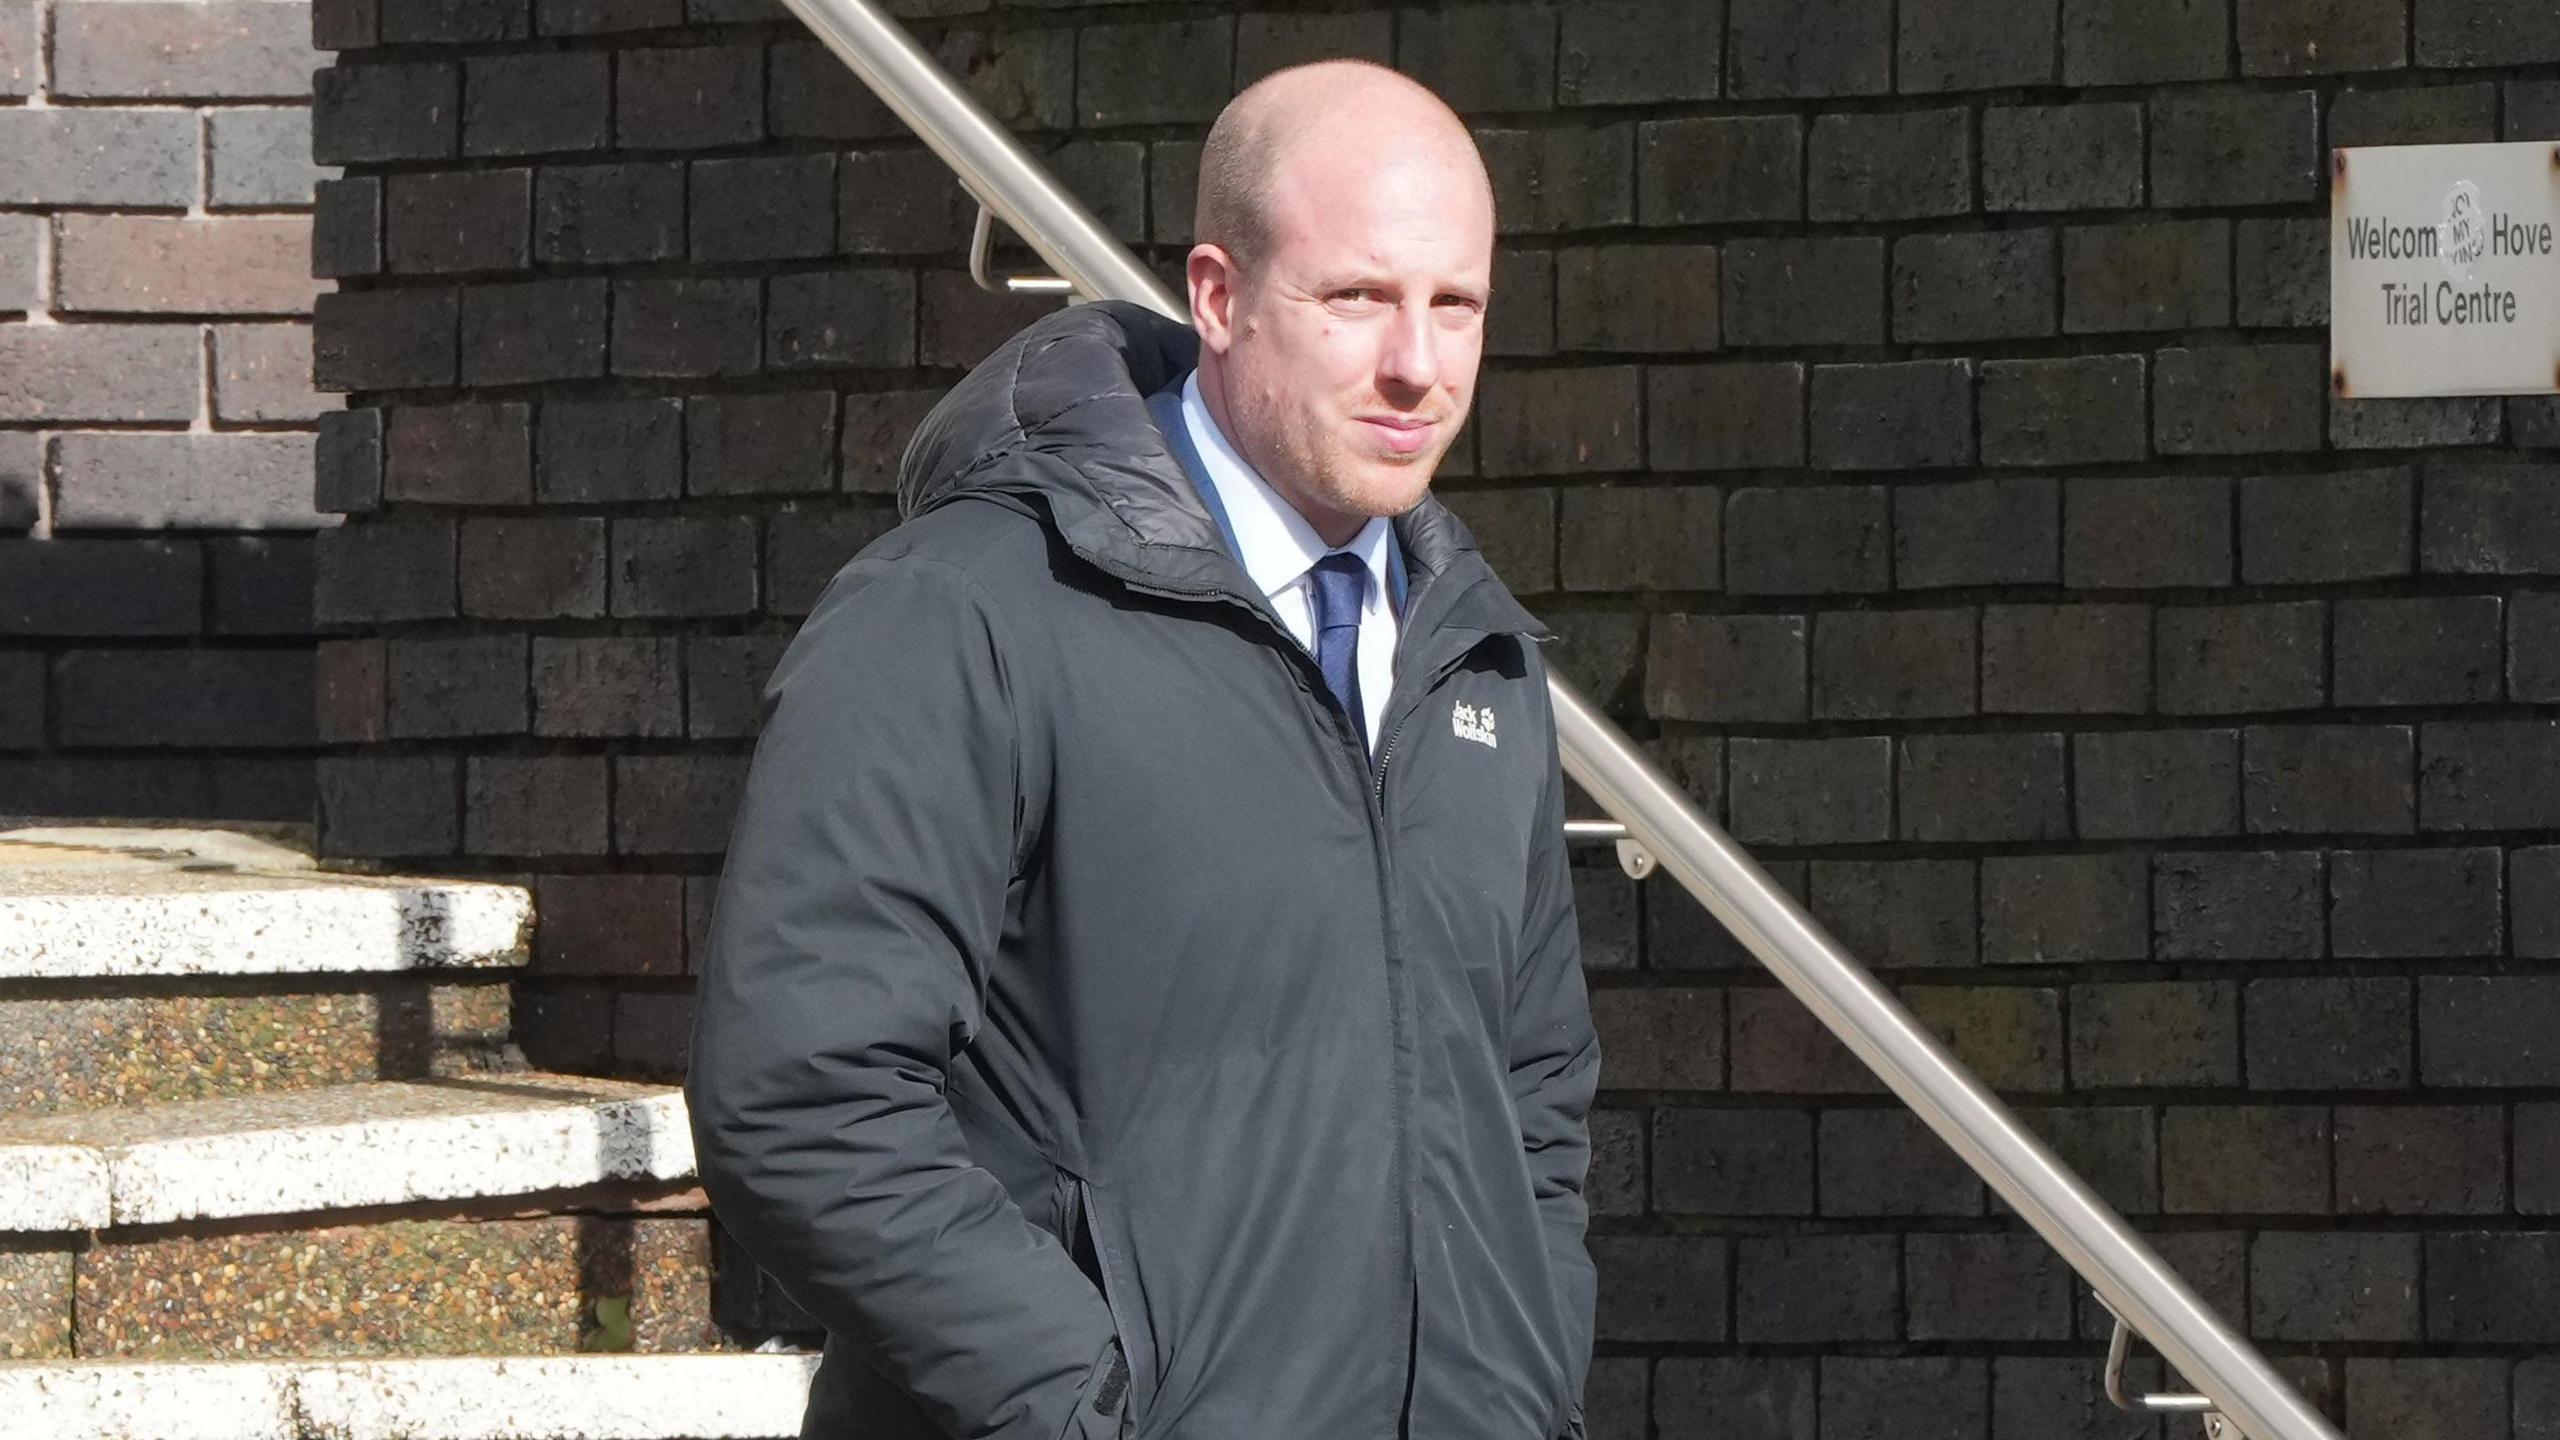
point(1358, 297)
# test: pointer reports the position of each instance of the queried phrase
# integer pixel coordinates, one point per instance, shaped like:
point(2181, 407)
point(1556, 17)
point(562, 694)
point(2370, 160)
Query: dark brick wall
point(1912, 416)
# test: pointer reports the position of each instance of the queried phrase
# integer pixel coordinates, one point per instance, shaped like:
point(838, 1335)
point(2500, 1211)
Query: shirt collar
point(1274, 543)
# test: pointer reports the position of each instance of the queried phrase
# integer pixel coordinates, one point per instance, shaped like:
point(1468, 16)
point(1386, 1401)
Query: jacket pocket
point(1112, 1390)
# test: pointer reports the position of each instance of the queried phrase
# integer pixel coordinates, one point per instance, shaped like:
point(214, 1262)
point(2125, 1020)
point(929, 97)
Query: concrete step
point(336, 1148)
point(588, 1397)
point(97, 903)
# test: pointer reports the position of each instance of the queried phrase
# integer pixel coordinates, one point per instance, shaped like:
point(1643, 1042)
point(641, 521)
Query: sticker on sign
point(2444, 270)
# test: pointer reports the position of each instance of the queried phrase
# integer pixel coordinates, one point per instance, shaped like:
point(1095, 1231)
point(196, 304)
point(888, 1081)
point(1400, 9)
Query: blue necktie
point(1340, 580)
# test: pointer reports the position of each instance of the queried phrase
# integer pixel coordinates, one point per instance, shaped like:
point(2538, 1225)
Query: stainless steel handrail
point(1659, 817)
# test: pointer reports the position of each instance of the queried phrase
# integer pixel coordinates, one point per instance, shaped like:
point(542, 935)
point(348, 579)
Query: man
point(1143, 996)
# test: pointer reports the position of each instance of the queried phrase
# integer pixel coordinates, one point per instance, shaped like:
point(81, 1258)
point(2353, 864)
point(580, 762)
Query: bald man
point(1143, 998)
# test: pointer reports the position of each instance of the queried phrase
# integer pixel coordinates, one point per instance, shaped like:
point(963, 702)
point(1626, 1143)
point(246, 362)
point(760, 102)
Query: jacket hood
point(1058, 417)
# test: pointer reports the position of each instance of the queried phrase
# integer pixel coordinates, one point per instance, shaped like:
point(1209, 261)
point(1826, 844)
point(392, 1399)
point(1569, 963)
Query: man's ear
point(1212, 275)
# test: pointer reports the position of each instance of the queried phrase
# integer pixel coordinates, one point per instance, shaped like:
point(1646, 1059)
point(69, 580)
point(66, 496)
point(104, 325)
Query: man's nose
point(1411, 358)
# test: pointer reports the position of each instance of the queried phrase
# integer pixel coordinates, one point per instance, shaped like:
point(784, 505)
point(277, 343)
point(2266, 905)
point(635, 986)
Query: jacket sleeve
point(863, 896)
point(1555, 1069)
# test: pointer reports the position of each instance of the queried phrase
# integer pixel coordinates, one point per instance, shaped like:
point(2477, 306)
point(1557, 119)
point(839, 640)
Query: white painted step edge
point(521, 1150)
point(286, 924)
point(566, 1397)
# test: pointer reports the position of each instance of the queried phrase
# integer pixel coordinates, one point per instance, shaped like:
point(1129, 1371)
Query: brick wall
point(1913, 417)
point(156, 408)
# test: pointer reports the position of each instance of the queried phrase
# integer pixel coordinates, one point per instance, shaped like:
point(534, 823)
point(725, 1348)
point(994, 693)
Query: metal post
point(1660, 819)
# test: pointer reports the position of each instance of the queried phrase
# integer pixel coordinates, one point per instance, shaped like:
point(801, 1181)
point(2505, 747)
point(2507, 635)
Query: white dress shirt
point(1277, 546)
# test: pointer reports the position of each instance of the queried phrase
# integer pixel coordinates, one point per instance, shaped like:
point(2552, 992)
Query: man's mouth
point(1400, 434)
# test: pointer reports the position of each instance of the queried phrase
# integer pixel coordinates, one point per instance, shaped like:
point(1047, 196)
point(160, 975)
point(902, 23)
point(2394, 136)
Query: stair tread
point(339, 1146)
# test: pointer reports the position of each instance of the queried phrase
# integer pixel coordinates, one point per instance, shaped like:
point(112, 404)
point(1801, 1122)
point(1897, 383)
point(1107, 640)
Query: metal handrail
point(1659, 818)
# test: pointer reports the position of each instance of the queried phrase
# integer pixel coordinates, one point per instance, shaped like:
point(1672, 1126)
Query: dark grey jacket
point(1092, 1037)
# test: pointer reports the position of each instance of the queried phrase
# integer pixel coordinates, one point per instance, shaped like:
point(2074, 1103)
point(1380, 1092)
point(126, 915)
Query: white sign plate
point(2444, 270)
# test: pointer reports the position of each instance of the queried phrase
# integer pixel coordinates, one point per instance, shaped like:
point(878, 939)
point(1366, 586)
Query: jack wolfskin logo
point(1470, 723)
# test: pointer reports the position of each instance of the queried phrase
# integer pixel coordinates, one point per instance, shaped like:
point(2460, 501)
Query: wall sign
point(2444, 270)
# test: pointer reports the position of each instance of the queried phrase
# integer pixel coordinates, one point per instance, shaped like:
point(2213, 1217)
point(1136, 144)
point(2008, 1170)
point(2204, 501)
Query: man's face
point(1347, 354)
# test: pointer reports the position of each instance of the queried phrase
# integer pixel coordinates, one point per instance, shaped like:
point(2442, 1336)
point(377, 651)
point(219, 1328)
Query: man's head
point(1344, 261)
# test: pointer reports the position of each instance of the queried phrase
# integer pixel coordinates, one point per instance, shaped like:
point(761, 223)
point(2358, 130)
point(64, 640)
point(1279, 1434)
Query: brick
point(1800, 539)
point(2143, 42)
point(2235, 148)
point(2037, 1398)
point(606, 451)
point(605, 686)
point(676, 566)
point(608, 925)
point(1741, 1398)
point(724, 682)
point(2186, 517)
point(257, 157)
point(1268, 42)
point(693, 97)
point(2488, 775)
point(811, 95)
point(2392, 904)
point(195, 699)
point(463, 220)
point(2488, 1031)
point(1515, 529)
point(2537, 1149)
point(2408, 424)
point(553, 102)
point(1893, 165)
point(2283, 268)
point(454, 21)
point(21, 49)
point(2537, 1395)
point(533, 568)
point(1908, 415)
point(804, 548)
point(384, 339)
point(2533, 643)
point(1167, 72)
point(1522, 320)
point(1809, 48)
point(1649, 539)
point(1986, 1287)
point(347, 462)
point(21, 479)
point(2333, 1287)
point(2062, 157)
point(1638, 52)
point(2422, 1160)
point(564, 1029)
point(1025, 78)
point(57, 373)
point(1560, 178)
point(1800, 292)
point(1898, 913)
point(651, 1031)
point(22, 278)
point(180, 481)
point(1663, 1039)
point(346, 227)
point(899, 202)
point(1598, 652)
point(1615, 1182)
point(346, 24)
point(608, 214)
point(685, 328)
point(348, 698)
point(2484, 519)
point(2238, 905)
point(467, 454)
point(767, 207)
point(2068, 410)
point(1637, 297)
point(1743, 416)
point(859, 319)
point(2493, 1289)
point(1562, 422)
point(534, 331)
point(2245, 1160)
point(2429, 115)
point(239, 265)
point(2406, 1399)
point(1811, 791)
point(2303, 529)
point(385, 572)
point(1732, 1162)
point(1826, 1288)
point(2533, 110)
point(1982, 788)
point(2328, 1034)
point(2137, 784)
point(760, 444)
point(2534, 884)
point(1661, 1287)
point(2486, 32)
point(2146, 275)
point(1997, 285)
point(533, 805)
point(1961, 45)
point(2049, 909)
point(1875, 1399)
point(2155, 1035)
point(2009, 1037)
point(1727, 669)
point(1495, 58)
point(213, 49)
point(1889, 664)
point(2230, 659)
point(876, 429)
point(382, 806)
point(85, 156)
point(462, 687)
point(2314, 37)
point(675, 804)
point(1719, 169)
point(262, 374)
point(2114, 1148)
point(2237, 399)
point(365, 114)
point(1604, 910)
point(2066, 659)
point(2328, 779)
point(1778, 1047)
